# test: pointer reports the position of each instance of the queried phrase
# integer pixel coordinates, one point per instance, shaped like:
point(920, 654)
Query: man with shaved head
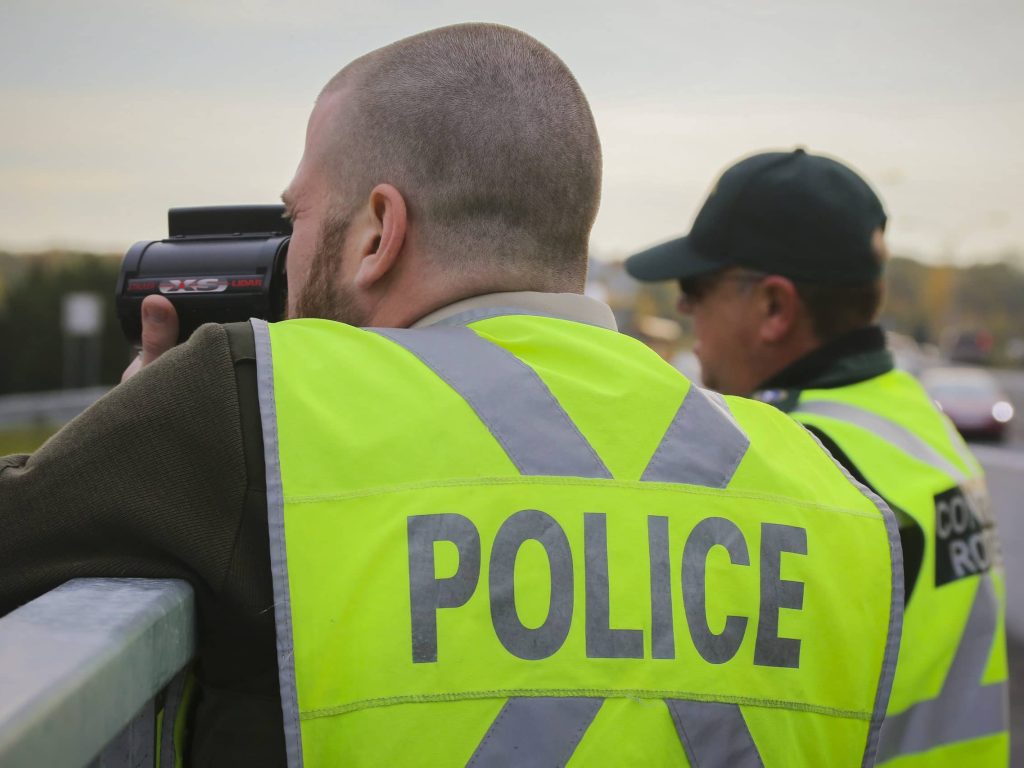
point(494, 167)
point(445, 514)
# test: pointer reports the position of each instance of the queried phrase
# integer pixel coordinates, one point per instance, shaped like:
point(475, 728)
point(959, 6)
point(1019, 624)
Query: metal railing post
point(81, 665)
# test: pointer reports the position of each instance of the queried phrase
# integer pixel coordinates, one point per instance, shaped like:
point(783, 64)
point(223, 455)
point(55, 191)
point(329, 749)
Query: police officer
point(782, 276)
point(446, 514)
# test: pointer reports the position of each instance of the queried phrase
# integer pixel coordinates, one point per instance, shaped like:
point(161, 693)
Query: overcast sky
point(114, 111)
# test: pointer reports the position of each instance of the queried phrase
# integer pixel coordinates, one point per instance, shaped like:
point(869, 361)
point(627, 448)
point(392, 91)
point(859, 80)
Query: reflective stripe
point(278, 553)
point(172, 703)
point(957, 441)
point(702, 446)
point(978, 711)
point(890, 431)
point(964, 709)
point(896, 608)
point(714, 734)
point(976, 642)
point(509, 397)
point(535, 732)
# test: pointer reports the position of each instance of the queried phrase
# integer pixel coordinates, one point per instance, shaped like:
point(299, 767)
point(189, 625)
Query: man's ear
point(381, 246)
point(780, 306)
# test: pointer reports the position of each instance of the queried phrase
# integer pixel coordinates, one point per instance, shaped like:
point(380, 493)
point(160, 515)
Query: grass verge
point(24, 439)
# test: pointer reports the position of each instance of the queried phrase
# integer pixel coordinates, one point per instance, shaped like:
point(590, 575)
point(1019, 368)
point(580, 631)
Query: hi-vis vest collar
point(351, 557)
point(951, 695)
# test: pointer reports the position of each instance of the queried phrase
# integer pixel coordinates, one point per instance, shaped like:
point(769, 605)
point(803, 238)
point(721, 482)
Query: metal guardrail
point(54, 408)
point(80, 668)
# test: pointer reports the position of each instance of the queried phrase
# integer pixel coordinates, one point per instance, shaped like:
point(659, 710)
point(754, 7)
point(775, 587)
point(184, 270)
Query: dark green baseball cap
point(804, 216)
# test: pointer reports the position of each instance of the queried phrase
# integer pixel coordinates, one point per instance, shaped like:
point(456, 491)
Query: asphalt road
point(1013, 383)
point(1004, 465)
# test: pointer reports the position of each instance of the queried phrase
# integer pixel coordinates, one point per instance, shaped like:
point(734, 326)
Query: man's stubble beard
point(323, 296)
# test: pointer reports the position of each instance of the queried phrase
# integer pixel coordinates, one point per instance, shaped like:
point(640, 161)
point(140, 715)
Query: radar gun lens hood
point(219, 264)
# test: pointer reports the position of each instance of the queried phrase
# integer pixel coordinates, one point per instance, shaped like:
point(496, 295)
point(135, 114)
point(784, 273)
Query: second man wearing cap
point(782, 276)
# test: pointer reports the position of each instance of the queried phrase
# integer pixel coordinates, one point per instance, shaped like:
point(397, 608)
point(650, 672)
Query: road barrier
point(46, 408)
point(84, 668)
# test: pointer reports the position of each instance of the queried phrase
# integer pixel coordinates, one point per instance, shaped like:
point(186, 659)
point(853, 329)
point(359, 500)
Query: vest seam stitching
point(356, 706)
point(547, 480)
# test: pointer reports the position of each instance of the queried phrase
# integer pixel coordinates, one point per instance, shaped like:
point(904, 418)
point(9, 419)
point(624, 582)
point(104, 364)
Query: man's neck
point(846, 359)
point(568, 306)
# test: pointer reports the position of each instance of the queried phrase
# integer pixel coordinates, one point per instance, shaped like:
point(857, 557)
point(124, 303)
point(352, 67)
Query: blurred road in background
point(1004, 465)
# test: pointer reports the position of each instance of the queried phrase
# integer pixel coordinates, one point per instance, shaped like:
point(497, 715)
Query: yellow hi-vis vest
point(949, 704)
point(529, 541)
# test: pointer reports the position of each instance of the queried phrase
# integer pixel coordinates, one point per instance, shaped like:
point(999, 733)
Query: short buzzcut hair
point(489, 138)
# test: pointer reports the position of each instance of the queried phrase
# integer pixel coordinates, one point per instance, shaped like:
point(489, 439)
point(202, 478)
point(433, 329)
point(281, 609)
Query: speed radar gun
point(218, 265)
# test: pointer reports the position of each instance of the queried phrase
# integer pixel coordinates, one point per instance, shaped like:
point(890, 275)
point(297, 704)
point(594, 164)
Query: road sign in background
point(82, 323)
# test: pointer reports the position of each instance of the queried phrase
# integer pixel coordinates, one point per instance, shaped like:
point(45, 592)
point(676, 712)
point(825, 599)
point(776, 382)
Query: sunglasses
point(696, 289)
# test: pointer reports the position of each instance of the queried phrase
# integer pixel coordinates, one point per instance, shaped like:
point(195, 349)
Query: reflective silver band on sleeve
point(964, 709)
point(896, 605)
point(702, 446)
point(714, 734)
point(278, 552)
point(508, 397)
point(535, 732)
point(887, 430)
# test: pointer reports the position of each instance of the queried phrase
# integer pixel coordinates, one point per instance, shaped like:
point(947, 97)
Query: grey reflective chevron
point(702, 446)
point(509, 397)
point(978, 711)
point(964, 709)
point(278, 552)
point(714, 735)
point(536, 732)
point(890, 431)
point(976, 641)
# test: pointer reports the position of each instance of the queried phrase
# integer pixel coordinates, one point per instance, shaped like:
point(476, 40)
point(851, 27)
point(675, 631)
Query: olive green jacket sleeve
point(163, 477)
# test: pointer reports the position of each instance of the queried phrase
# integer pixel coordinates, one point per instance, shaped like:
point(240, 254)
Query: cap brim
point(674, 260)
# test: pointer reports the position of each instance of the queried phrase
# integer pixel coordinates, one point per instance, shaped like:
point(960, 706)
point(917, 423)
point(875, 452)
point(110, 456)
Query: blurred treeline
point(32, 342)
point(939, 304)
point(934, 304)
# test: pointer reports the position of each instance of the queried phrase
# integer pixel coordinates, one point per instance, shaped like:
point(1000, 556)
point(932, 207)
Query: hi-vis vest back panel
point(531, 542)
point(949, 702)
